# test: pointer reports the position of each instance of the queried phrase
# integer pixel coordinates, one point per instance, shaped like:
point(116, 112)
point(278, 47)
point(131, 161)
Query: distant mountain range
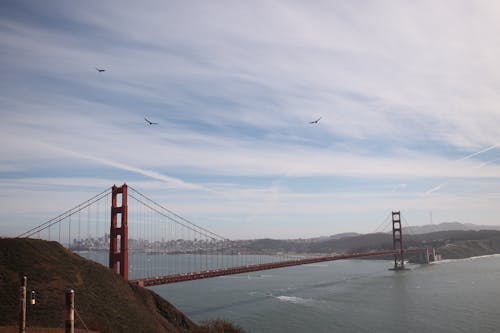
point(417, 230)
point(336, 236)
point(452, 239)
point(447, 226)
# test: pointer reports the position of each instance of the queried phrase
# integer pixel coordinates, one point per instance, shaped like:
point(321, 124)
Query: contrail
point(434, 189)
point(488, 162)
point(179, 183)
point(477, 153)
point(438, 187)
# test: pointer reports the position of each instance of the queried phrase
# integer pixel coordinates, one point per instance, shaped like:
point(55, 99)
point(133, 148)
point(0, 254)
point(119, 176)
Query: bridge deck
point(147, 282)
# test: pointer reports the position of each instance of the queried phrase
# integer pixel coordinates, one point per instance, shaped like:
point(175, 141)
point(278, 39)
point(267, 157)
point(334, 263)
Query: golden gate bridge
point(149, 244)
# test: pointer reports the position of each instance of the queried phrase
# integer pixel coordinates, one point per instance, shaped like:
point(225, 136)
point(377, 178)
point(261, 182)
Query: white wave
point(485, 256)
point(294, 299)
point(444, 261)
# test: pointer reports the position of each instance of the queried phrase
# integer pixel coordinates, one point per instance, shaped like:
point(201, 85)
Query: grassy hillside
point(104, 301)
point(470, 248)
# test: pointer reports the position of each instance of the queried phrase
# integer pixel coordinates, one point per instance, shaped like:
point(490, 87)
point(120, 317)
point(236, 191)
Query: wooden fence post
point(22, 305)
point(70, 311)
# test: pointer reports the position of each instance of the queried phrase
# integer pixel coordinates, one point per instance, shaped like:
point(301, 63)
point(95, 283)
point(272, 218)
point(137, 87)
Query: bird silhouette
point(150, 122)
point(315, 121)
point(100, 70)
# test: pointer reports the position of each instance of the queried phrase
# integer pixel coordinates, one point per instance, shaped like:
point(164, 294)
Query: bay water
point(350, 296)
point(340, 296)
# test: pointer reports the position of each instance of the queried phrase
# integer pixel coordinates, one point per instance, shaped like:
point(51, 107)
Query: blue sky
point(408, 94)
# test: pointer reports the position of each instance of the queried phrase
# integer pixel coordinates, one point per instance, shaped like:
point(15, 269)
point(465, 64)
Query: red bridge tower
point(397, 241)
point(118, 256)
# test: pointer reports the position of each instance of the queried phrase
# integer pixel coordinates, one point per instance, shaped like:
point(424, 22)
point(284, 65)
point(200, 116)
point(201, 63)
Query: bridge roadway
point(175, 278)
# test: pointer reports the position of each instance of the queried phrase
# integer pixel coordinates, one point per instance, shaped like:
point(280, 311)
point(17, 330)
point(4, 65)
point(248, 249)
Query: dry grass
point(103, 299)
point(219, 326)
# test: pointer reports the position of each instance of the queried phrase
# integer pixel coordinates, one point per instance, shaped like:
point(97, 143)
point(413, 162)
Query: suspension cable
point(408, 236)
point(67, 213)
point(176, 215)
point(171, 218)
point(191, 225)
point(382, 224)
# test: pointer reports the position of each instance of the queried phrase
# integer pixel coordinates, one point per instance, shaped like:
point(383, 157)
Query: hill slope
point(104, 301)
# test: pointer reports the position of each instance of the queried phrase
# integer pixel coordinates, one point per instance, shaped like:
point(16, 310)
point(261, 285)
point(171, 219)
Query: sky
point(408, 94)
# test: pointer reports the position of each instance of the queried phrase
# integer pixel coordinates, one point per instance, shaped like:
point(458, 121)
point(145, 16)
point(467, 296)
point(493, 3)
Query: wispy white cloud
point(301, 84)
point(403, 90)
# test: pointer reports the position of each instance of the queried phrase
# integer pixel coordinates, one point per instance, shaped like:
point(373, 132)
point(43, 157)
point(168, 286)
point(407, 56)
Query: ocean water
point(351, 296)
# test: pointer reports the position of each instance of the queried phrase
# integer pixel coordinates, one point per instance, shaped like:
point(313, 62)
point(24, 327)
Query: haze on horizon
point(408, 95)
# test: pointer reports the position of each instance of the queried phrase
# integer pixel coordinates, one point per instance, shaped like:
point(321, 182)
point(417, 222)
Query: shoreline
point(465, 259)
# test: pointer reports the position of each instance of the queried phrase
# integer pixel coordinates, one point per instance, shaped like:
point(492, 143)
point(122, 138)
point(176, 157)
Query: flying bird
point(315, 121)
point(150, 122)
point(100, 70)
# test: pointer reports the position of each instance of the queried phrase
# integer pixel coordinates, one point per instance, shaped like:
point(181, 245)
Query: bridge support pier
point(118, 256)
point(427, 256)
point(397, 241)
point(431, 255)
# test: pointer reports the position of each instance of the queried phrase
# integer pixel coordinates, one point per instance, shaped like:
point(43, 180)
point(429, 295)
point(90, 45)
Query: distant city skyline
point(406, 93)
